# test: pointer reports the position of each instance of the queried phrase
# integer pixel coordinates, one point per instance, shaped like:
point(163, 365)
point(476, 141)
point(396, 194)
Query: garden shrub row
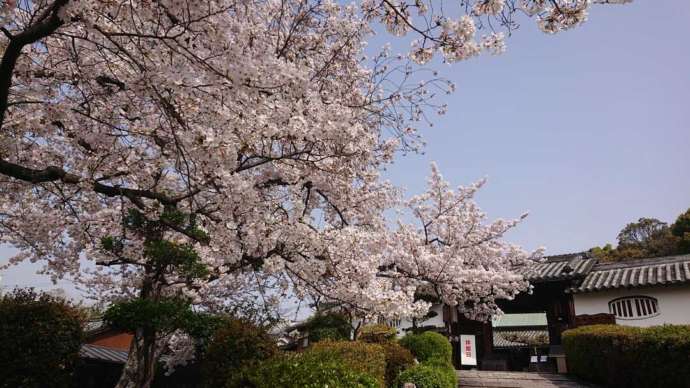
point(622, 356)
point(308, 370)
point(429, 374)
point(328, 326)
point(398, 359)
point(435, 369)
point(358, 356)
point(242, 355)
point(377, 334)
point(236, 347)
point(428, 345)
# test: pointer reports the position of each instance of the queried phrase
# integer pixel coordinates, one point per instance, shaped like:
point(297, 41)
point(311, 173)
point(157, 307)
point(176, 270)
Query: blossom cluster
point(453, 32)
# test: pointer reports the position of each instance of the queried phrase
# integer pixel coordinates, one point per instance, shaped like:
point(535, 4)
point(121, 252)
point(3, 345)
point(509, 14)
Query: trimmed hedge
point(40, 337)
point(329, 326)
point(357, 356)
point(398, 359)
point(435, 354)
point(433, 373)
point(622, 356)
point(428, 345)
point(307, 370)
point(377, 334)
point(236, 347)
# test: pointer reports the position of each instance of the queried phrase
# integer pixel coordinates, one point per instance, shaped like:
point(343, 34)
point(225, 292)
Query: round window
point(634, 307)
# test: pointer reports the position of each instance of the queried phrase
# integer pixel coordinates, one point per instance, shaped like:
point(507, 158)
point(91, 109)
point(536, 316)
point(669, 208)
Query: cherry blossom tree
point(167, 150)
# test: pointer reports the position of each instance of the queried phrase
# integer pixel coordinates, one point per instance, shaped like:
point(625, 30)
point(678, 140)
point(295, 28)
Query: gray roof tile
point(500, 340)
point(563, 267)
point(102, 353)
point(637, 273)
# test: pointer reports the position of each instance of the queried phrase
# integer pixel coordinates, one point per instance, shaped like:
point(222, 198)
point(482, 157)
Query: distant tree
point(681, 230)
point(607, 252)
point(641, 232)
point(40, 336)
point(648, 237)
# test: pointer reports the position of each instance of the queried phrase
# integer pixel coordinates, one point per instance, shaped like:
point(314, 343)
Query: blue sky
point(587, 129)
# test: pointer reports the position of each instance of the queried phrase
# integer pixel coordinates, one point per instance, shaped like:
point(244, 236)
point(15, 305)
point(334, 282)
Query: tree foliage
point(163, 316)
point(649, 237)
point(40, 336)
point(329, 326)
point(681, 230)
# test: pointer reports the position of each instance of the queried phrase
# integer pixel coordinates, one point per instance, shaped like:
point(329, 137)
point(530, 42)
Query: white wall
point(436, 321)
point(674, 304)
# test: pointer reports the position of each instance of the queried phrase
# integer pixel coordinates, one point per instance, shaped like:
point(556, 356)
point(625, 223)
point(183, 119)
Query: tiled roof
point(637, 273)
point(561, 267)
point(517, 320)
point(101, 353)
point(500, 341)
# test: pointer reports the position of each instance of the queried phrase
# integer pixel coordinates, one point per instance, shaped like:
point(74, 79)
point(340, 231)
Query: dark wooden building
point(551, 281)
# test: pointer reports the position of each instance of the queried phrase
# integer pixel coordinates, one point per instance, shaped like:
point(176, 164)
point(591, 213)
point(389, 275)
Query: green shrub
point(377, 334)
point(357, 356)
point(428, 345)
point(621, 356)
point(307, 370)
point(398, 359)
point(40, 336)
point(328, 326)
point(237, 346)
point(435, 373)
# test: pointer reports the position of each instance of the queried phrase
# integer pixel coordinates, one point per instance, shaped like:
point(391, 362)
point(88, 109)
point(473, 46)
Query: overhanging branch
point(48, 23)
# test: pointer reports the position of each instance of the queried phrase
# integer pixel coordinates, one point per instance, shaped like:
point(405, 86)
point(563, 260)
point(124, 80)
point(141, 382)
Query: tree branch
point(48, 24)
point(53, 173)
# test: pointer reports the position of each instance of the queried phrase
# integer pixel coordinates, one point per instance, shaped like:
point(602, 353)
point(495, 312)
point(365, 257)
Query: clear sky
point(587, 130)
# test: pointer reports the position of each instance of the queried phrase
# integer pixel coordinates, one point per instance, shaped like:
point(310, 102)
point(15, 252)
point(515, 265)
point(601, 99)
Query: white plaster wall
point(436, 321)
point(674, 304)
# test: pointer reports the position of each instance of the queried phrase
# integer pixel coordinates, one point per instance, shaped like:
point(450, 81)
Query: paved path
point(489, 379)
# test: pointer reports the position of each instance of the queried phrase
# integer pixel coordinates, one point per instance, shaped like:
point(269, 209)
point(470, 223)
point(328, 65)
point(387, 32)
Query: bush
point(328, 326)
point(307, 370)
point(377, 333)
point(357, 356)
point(398, 359)
point(621, 356)
point(428, 345)
point(235, 347)
point(434, 373)
point(40, 336)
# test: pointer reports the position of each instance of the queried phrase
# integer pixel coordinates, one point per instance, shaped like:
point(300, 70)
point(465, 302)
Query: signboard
point(468, 350)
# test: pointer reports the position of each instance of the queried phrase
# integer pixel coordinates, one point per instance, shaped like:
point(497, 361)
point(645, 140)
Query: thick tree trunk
point(140, 367)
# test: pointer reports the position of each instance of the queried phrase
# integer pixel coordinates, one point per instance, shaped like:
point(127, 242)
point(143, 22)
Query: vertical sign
point(468, 355)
